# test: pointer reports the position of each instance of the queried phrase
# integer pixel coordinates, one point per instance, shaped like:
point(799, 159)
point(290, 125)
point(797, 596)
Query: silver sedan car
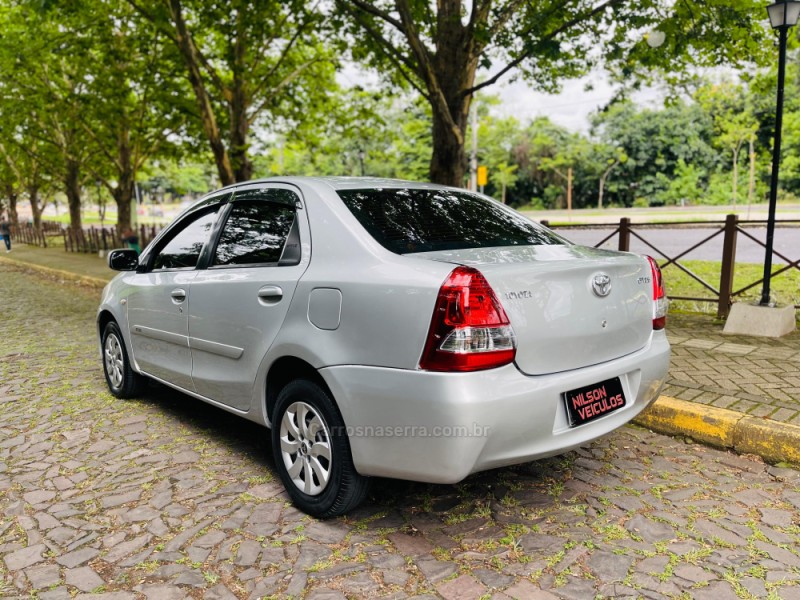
point(386, 328)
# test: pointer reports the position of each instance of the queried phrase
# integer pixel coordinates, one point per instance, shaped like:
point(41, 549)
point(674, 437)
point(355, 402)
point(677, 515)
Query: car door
point(240, 301)
point(158, 299)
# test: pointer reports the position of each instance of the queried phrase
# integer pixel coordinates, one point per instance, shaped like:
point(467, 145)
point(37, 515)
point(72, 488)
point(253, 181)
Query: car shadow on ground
point(474, 496)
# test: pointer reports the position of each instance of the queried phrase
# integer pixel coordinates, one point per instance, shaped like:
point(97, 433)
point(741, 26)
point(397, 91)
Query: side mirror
point(125, 259)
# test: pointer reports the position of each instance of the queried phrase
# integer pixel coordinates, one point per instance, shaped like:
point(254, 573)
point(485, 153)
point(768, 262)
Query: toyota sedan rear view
point(386, 328)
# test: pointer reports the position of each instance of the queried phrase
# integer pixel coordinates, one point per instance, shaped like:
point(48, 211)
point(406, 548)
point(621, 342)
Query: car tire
point(123, 381)
point(312, 452)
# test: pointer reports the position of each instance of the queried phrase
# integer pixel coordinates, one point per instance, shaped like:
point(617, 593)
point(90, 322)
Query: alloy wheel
point(306, 448)
point(114, 360)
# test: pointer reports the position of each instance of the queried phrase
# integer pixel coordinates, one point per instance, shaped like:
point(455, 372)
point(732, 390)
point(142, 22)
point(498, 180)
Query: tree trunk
point(449, 158)
point(72, 188)
point(210, 126)
point(123, 198)
point(239, 101)
point(569, 188)
point(751, 188)
point(123, 193)
point(240, 160)
point(600, 192)
point(603, 179)
point(735, 173)
point(36, 209)
point(11, 195)
point(447, 74)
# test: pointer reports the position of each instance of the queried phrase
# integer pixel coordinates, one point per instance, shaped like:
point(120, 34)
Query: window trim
point(181, 226)
point(223, 220)
point(217, 199)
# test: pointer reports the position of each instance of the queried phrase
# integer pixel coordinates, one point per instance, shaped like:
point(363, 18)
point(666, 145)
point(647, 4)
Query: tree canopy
point(441, 49)
point(184, 95)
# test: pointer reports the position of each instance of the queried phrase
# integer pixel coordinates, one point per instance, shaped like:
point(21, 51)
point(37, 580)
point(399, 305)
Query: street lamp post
point(782, 16)
point(361, 156)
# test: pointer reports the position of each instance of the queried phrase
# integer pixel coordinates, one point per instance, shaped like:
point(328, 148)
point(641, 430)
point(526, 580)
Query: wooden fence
point(28, 234)
point(95, 239)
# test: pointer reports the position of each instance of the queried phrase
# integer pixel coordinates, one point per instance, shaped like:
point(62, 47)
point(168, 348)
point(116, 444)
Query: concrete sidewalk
point(736, 392)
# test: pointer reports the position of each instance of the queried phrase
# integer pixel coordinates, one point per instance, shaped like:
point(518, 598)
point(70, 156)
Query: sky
point(571, 108)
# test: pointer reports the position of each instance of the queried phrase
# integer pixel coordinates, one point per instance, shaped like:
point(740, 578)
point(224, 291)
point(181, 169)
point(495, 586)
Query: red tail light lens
point(469, 329)
point(660, 302)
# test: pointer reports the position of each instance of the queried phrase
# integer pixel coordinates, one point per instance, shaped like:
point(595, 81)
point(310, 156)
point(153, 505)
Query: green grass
point(93, 218)
point(784, 287)
point(56, 258)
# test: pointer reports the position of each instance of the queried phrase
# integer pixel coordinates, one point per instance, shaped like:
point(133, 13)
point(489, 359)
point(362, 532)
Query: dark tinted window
point(418, 220)
point(183, 250)
point(255, 233)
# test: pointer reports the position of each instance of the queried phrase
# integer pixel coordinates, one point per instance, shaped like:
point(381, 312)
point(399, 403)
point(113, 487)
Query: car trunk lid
point(554, 298)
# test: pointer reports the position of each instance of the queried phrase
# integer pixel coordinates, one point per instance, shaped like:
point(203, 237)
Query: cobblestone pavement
point(164, 498)
point(757, 376)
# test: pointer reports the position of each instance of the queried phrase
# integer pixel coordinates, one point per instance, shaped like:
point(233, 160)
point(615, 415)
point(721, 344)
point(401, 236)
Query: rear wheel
point(312, 451)
point(122, 380)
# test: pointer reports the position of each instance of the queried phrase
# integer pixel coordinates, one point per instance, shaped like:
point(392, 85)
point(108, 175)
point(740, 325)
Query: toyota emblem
point(601, 285)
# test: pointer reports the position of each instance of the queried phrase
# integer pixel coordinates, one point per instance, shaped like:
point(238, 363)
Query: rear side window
point(419, 220)
point(254, 234)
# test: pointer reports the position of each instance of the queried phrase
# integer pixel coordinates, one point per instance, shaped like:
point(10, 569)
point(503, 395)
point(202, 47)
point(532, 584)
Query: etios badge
point(601, 284)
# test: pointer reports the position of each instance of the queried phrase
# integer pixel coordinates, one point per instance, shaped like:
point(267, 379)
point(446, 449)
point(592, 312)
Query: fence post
point(624, 234)
point(728, 265)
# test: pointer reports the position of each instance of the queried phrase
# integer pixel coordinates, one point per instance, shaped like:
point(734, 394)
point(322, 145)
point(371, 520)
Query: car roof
point(332, 183)
point(341, 183)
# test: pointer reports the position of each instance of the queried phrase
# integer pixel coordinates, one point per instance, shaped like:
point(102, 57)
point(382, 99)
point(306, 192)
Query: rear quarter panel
point(387, 299)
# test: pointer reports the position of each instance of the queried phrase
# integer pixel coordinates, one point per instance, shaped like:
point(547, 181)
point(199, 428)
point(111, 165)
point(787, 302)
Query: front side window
point(408, 220)
point(255, 233)
point(183, 250)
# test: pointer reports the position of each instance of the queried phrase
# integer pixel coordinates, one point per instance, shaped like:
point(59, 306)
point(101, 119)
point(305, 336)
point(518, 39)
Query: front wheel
point(122, 380)
point(312, 452)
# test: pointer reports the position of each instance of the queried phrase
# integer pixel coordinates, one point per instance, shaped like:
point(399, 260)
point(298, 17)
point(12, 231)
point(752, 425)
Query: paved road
point(675, 241)
point(164, 498)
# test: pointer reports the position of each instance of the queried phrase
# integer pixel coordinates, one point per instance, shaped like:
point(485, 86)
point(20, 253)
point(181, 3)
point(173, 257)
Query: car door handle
point(178, 295)
point(270, 294)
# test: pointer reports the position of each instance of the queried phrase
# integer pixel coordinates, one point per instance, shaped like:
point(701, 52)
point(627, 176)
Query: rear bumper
point(440, 427)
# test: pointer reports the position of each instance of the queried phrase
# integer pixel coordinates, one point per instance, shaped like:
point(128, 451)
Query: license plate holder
point(590, 402)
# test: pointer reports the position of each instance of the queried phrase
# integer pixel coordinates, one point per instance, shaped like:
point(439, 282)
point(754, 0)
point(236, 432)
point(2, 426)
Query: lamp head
point(783, 14)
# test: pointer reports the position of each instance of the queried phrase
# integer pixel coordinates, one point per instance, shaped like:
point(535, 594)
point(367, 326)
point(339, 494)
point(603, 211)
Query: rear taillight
point(660, 302)
point(469, 329)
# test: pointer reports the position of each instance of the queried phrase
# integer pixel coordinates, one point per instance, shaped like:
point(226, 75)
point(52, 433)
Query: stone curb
point(84, 280)
point(773, 441)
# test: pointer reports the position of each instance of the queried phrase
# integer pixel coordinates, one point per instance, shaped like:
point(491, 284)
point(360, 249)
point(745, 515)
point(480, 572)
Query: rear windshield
point(419, 220)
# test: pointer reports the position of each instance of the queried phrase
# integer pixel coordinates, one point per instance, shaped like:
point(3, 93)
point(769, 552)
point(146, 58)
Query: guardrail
point(722, 294)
